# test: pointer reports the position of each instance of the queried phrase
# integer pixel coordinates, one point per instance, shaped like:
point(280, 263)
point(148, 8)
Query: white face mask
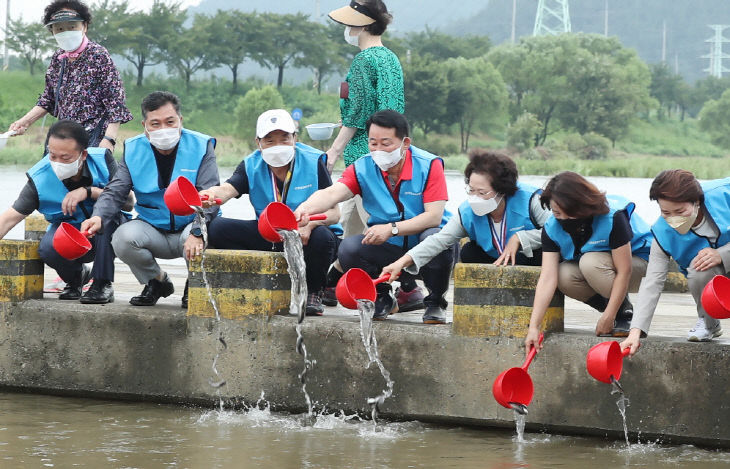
point(352, 40)
point(66, 170)
point(165, 139)
point(481, 207)
point(69, 40)
point(387, 159)
point(681, 223)
point(278, 156)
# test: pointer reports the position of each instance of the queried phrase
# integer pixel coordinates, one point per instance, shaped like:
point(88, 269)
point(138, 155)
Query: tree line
point(582, 83)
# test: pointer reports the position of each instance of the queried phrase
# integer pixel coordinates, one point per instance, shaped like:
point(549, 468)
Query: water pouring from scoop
point(513, 388)
point(278, 216)
point(355, 285)
point(181, 197)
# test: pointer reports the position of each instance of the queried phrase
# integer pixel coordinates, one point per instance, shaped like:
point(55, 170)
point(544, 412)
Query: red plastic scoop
point(71, 243)
point(606, 360)
point(181, 195)
point(278, 216)
point(716, 297)
point(355, 285)
point(513, 388)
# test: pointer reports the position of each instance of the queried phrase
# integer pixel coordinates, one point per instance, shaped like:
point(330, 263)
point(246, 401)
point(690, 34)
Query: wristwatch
point(394, 230)
point(111, 139)
point(88, 192)
point(197, 232)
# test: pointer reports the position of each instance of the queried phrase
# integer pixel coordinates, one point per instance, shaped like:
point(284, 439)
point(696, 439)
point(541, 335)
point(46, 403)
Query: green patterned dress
point(375, 80)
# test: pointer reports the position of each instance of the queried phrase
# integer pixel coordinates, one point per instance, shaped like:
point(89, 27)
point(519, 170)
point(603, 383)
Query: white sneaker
point(701, 333)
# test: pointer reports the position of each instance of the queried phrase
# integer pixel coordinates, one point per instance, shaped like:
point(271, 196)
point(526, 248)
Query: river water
point(43, 431)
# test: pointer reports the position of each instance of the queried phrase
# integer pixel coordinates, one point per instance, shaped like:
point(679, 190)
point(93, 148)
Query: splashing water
point(622, 403)
point(366, 308)
point(217, 381)
point(294, 253)
point(520, 425)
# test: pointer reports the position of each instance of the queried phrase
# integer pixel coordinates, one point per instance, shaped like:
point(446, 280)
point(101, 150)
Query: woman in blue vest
point(281, 170)
point(594, 249)
point(694, 230)
point(502, 217)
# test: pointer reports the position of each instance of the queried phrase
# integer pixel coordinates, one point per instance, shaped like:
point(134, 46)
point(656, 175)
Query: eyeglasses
point(482, 194)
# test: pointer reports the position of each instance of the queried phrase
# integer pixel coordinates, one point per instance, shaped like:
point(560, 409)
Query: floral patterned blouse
point(375, 81)
point(91, 92)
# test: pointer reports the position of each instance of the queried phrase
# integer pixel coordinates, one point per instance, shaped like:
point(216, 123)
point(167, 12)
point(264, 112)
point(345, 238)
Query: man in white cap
point(280, 170)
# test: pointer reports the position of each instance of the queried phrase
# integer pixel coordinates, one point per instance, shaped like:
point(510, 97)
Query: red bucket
point(180, 195)
point(716, 297)
point(605, 360)
point(69, 242)
point(515, 385)
point(355, 285)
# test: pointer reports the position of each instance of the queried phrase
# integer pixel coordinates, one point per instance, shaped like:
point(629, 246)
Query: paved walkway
point(675, 314)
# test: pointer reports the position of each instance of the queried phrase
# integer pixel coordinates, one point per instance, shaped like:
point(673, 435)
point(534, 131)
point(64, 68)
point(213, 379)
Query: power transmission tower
point(553, 17)
point(716, 55)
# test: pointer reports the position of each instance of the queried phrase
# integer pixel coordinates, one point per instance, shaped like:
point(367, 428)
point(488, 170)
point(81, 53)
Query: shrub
point(521, 134)
point(250, 107)
point(597, 147)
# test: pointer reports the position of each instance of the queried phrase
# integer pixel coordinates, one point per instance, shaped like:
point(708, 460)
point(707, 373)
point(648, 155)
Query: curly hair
point(75, 5)
point(498, 167)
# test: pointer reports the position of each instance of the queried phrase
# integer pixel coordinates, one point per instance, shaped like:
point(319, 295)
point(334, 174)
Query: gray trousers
point(137, 244)
point(696, 281)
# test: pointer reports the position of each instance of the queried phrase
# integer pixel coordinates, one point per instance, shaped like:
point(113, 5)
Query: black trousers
point(372, 258)
point(319, 252)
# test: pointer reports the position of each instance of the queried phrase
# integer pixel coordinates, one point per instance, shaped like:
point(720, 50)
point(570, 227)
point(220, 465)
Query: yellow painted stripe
point(264, 263)
point(11, 249)
point(237, 303)
point(492, 320)
point(19, 288)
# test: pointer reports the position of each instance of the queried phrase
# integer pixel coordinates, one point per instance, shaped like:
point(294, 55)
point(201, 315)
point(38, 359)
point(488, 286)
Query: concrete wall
point(677, 389)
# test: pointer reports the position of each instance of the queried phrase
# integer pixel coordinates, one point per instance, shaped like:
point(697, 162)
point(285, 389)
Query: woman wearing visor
point(502, 218)
point(694, 230)
point(82, 83)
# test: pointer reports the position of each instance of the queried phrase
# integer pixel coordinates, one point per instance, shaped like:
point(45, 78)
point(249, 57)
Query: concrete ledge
point(242, 283)
point(492, 301)
point(677, 389)
point(35, 227)
point(21, 270)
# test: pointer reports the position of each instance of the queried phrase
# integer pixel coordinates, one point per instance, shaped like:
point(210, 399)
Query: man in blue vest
point(64, 186)
point(404, 190)
point(281, 170)
point(151, 160)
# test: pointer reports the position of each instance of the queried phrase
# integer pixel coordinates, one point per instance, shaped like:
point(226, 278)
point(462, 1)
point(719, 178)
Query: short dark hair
point(498, 167)
point(676, 185)
point(574, 195)
point(65, 129)
point(75, 5)
point(390, 119)
point(157, 99)
point(381, 16)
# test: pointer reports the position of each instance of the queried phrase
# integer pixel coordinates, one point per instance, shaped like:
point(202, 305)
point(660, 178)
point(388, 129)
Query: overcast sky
point(33, 9)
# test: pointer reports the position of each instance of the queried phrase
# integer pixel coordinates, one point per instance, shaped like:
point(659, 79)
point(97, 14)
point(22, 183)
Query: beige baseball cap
point(275, 119)
point(355, 14)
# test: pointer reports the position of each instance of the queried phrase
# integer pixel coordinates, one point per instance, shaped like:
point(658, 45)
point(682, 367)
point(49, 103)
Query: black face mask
point(572, 225)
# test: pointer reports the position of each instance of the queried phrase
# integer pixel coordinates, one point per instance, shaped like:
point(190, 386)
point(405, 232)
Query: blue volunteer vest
point(380, 203)
point(304, 180)
point(516, 215)
point(684, 248)
point(142, 167)
point(51, 190)
point(602, 226)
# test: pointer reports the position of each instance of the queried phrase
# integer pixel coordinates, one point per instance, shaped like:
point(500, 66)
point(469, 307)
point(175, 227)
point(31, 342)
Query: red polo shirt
point(434, 191)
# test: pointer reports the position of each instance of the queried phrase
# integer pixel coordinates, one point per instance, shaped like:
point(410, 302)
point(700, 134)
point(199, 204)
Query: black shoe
point(153, 291)
point(385, 304)
point(329, 297)
point(622, 323)
point(101, 292)
point(434, 314)
point(184, 302)
point(72, 291)
point(314, 305)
